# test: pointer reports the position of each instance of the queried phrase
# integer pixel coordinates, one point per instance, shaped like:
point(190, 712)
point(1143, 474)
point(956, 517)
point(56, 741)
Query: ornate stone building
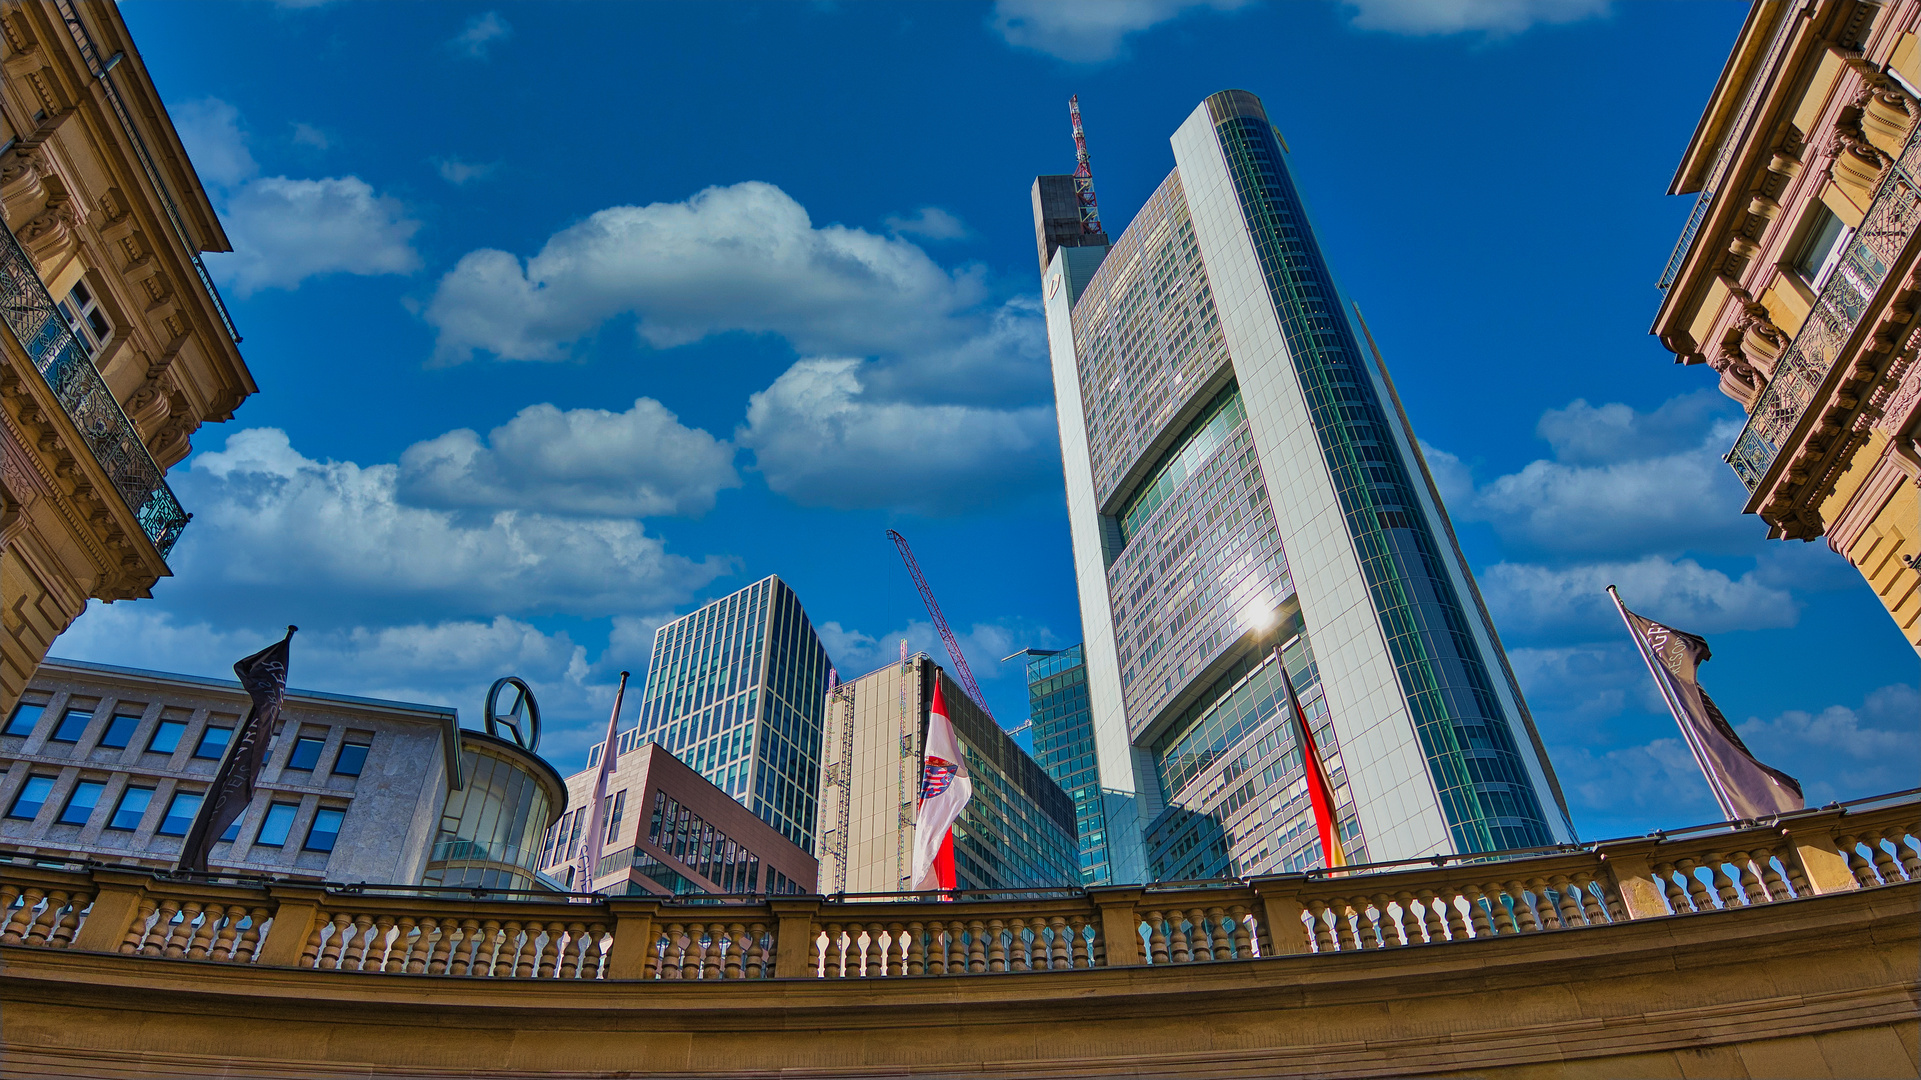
point(117, 346)
point(1797, 277)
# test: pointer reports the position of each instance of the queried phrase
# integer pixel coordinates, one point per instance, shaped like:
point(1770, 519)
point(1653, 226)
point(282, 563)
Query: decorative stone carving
point(1739, 380)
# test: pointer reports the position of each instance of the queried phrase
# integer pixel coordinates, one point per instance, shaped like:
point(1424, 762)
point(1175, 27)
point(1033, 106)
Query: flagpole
point(1674, 709)
point(597, 808)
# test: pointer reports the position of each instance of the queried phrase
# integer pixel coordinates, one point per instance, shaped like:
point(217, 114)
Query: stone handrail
point(415, 932)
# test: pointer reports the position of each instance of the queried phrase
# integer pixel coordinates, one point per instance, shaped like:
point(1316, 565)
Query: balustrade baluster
point(181, 930)
point(996, 946)
point(67, 919)
point(762, 943)
point(1501, 908)
point(936, 954)
point(1675, 894)
point(1433, 927)
point(20, 920)
point(377, 946)
point(1910, 858)
point(1526, 919)
point(1156, 939)
point(1216, 941)
point(9, 896)
point(328, 958)
point(569, 953)
point(1545, 911)
point(917, 948)
point(1179, 949)
point(1097, 944)
point(1698, 894)
point(836, 952)
point(1322, 941)
point(1724, 888)
point(1567, 905)
point(1060, 952)
point(492, 941)
point(598, 944)
point(41, 932)
point(673, 957)
point(1884, 859)
point(310, 953)
point(221, 947)
point(199, 941)
point(1592, 910)
point(976, 947)
point(1017, 945)
point(1452, 917)
point(1771, 880)
point(822, 943)
point(249, 943)
point(894, 960)
point(1479, 923)
point(136, 931)
point(1747, 880)
point(1241, 934)
point(420, 951)
point(440, 949)
point(460, 951)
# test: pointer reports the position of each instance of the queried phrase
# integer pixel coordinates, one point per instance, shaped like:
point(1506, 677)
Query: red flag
point(1320, 790)
point(944, 790)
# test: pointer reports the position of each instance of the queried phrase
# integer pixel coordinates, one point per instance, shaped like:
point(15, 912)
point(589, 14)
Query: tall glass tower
point(736, 690)
point(1240, 475)
point(1064, 747)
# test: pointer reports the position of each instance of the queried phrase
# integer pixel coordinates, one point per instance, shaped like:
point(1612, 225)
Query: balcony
point(1806, 368)
point(1790, 940)
point(28, 311)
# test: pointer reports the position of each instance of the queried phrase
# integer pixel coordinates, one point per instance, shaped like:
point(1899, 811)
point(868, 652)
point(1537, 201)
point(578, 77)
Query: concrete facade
point(1240, 475)
point(389, 796)
point(1797, 279)
point(116, 345)
point(669, 832)
point(1017, 831)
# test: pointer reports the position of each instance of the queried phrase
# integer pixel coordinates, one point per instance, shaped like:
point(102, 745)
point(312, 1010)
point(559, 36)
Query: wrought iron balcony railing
point(1805, 364)
point(28, 310)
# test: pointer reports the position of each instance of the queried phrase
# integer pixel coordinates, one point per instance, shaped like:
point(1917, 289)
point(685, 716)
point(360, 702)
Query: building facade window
point(278, 823)
point(25, 716)
point(90, 324)
point(166, 737)
point(33, 796)
point(73, 724)
point(306, 753)
point(325, 829)
point(120, 730)
point(351, 759)
point(1820, 249)
point(180, 813)
point(213, 742)
point(80, 804)
point(133, 807)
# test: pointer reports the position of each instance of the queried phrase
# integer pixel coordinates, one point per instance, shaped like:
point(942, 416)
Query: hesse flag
point(264, 674)
point(944, 791)
point(1744, 787)
point(1320, 790)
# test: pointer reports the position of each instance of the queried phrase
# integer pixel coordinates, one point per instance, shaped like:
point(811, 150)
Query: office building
point(1793, 281)
point(1064, 747)
point(112, 763)
point(1240, 475)
point(117, 346)
point(669, 832)
point(734, 690)
point(1016, 832)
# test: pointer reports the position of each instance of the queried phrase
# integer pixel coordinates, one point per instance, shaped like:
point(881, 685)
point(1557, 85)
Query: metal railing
point(1716, 869)
point(99, 70)
point(28, 310)
point(1804, 365)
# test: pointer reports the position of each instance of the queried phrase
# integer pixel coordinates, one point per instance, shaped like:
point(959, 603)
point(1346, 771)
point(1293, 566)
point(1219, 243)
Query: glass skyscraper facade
point(736, 691)
point(1240, 476)
point(1064, 747)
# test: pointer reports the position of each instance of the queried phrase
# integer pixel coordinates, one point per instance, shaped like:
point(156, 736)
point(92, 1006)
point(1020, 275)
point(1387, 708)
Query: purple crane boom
point(940, 624)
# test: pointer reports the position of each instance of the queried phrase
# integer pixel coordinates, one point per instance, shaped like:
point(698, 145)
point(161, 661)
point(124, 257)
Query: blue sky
point(568, 318)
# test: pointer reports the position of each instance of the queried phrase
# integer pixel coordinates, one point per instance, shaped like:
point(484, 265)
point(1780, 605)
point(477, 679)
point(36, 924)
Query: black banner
point(264, 674)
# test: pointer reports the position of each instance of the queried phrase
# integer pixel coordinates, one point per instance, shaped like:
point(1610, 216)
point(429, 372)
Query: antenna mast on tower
point(1084, 175)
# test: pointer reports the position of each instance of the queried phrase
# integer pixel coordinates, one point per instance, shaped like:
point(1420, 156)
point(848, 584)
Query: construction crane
point(940, 624)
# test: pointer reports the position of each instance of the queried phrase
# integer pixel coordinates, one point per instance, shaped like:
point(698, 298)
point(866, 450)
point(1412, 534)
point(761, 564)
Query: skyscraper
point(1064, 746)
point(1240, 475)
point(735, 690)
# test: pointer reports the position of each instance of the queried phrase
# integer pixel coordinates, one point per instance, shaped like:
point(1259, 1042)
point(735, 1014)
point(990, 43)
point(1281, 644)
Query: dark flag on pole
point(1743, 786)
point(264, 674)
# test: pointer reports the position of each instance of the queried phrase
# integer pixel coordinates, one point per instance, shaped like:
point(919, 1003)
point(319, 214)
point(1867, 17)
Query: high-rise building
point(668, 832)
point(735, 691)
point(1064, 747)
point(1790, 279)
point(1240, 475)
point(1016, 832)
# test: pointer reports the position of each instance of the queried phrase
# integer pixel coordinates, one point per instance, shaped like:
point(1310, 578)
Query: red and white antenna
point(1083, 174)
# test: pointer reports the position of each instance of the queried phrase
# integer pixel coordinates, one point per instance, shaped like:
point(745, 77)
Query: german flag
point(1320, 790)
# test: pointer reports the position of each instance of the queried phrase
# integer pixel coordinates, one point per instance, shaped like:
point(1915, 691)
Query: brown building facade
point(117, 346)
point(1797, 277)
point(669, 832)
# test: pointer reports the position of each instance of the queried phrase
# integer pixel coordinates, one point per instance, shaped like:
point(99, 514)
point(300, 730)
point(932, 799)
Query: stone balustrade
point(416, 932)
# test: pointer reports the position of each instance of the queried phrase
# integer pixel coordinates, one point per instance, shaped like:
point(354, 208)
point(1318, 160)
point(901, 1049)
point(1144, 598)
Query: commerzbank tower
point(1240, 474)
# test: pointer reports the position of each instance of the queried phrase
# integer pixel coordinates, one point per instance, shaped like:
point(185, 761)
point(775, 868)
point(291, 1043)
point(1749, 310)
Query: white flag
point(944, 791)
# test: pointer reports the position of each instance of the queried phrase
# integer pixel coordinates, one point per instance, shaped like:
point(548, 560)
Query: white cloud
point(210, 129)
point(821, 441)
point(929, 223)
point(578, 461)
point(741, 258)
point(309, 135)
point(1656, 780)
point(275, 530)
point(477, 38)
point(1844, 753)
point(286, 231)
point(1088, 31)
point(458, 172)
point(1495, 18)
point(1584, 434)
point(1683, 593)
